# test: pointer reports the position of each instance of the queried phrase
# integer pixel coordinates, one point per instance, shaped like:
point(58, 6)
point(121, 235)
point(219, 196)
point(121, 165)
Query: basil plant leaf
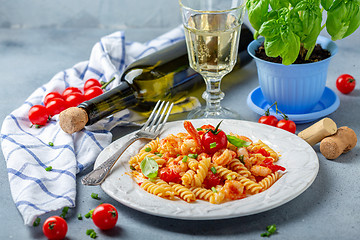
point(326, 4)
point(149, 167)
point(257, 12)
point(237, 142)
point(292, 48)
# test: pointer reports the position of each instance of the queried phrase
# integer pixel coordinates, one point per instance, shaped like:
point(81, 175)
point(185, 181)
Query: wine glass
point(212, 33)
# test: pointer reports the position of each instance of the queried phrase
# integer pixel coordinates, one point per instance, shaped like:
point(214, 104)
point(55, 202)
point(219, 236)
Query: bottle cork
point(318, 131)
point(73, 119)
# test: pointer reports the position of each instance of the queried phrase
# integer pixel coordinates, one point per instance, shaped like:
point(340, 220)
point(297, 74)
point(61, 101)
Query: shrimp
point(261, 171)
point(244, 154)
point(189, 146)
point(233, 190)
point(193, 133)
point(223, 156)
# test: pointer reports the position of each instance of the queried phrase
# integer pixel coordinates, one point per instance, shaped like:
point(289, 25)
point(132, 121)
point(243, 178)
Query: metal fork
point(149, 131)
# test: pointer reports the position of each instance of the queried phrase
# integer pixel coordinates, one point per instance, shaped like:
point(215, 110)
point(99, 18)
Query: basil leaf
point(257, 12)
point(237, 142)
point(149, 167)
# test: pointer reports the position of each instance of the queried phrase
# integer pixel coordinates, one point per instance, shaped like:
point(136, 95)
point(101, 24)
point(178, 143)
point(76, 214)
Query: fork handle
point(98, 175)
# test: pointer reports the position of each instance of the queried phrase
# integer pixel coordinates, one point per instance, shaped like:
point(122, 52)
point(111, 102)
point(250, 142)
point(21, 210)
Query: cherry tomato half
point(213, 140)
point(38, 115)
point(55, 106)
point(74, 99)
point(105, 216)
point(212, 180)
point(70, 90)
point(55, 228)
point(345, 83)
point(287, 125)
point(51, 96)
point(169, 175)
point(268, 120)
point(92, 82)
point(92, 92)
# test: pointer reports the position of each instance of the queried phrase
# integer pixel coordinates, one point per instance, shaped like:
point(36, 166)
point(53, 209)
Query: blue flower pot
point(296, 88)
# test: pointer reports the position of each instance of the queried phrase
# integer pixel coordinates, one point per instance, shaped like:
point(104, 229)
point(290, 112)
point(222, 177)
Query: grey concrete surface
point(40, 38)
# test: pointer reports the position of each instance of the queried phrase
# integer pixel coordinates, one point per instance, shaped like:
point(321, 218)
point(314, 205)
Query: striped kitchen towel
point(29, 151)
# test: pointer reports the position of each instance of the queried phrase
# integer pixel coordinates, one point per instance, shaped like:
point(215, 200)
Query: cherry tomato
point(92, 92)
point(55, 106)
point(92, 82)
point(38, 115)
point(74, 99)
point(55, 228)
point(211, 180)
point(214, 140)
point(50, 96)
point(287, 125)
point(169, 175)
point(268, 120)
point(70, 90)
point(345, 83)
point(105, 216)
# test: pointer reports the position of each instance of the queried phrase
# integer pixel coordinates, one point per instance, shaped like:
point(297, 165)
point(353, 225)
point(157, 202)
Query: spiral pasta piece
point(268, 181)
point(188, 178)
point(202, 171)
point(238, 167)
point(153, 188)
point(152, 146)
point(202, 193)
point(225, 173)
point(184, 193)
point(251, 186)
point(193, 164)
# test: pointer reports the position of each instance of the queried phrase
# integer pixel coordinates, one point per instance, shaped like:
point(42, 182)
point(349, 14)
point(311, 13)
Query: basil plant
point(291, 27)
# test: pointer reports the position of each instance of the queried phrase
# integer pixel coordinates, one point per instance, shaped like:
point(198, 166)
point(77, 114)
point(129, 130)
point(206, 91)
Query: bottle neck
point(110, 102)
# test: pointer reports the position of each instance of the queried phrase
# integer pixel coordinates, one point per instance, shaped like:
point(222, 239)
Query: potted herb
point(290, 31)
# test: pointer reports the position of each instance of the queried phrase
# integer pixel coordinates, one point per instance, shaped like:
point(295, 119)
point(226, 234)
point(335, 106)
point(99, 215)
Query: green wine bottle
point(164, 75)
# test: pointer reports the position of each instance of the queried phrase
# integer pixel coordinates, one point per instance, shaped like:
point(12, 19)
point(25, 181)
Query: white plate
point(299, 159)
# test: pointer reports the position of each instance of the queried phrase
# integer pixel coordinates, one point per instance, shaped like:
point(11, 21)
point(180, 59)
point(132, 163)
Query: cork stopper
point(318, 131)
point(73, 119)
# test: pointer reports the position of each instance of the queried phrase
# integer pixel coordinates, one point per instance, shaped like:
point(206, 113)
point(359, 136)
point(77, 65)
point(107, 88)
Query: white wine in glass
point(212, 32)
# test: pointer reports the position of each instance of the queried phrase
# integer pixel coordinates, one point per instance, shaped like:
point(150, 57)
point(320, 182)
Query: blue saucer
point(328, 103)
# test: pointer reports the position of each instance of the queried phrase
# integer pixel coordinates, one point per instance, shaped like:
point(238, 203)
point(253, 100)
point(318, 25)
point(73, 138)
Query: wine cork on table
point(318, 131)
point(73, 119)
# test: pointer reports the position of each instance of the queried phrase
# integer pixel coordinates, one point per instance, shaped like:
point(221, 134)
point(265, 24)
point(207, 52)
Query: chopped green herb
point(95, 196)
point(79, 216)
point(37, 222)
point(199, 129)
point(147, 149)
point(177, 155)
point(51, 144)
point(237, 142)
point(191, 155)
point(93, 235)
point(228, 177)
point(213, 169)
point(89, 231)
point(212, 145)
point(64, 212)
point(271, 229)
point(185, 158)
point(149, 167)
point(241, 158)
point(49, 168)
point(159, 154)
point(214, 189)
point(132, 167)
point(89, 214)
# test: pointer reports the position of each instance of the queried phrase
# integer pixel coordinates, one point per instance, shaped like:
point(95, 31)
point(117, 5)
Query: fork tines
point(157, 119)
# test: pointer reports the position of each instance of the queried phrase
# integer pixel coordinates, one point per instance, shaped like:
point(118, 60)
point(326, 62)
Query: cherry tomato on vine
point(92, 82)
point(38, 115)
point(50, 96)
point(74, 99)
point(169, 175)
point(345, 83)
point(55, 106)
point(268, 120)
point(105, 216)
point(70, 90)
point(92, 92)
point(214, 140)
point(55, 228)
point(287, 125)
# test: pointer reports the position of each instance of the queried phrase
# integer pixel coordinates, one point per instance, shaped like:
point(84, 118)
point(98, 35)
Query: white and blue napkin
point(28, 151)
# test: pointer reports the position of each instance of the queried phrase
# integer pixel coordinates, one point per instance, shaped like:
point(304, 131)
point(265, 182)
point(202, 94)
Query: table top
point(329, 208)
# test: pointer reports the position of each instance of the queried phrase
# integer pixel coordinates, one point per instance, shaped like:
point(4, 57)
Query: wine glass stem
point(213, 94)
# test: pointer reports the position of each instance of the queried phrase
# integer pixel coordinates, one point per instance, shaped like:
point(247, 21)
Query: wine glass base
point(222, 113)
